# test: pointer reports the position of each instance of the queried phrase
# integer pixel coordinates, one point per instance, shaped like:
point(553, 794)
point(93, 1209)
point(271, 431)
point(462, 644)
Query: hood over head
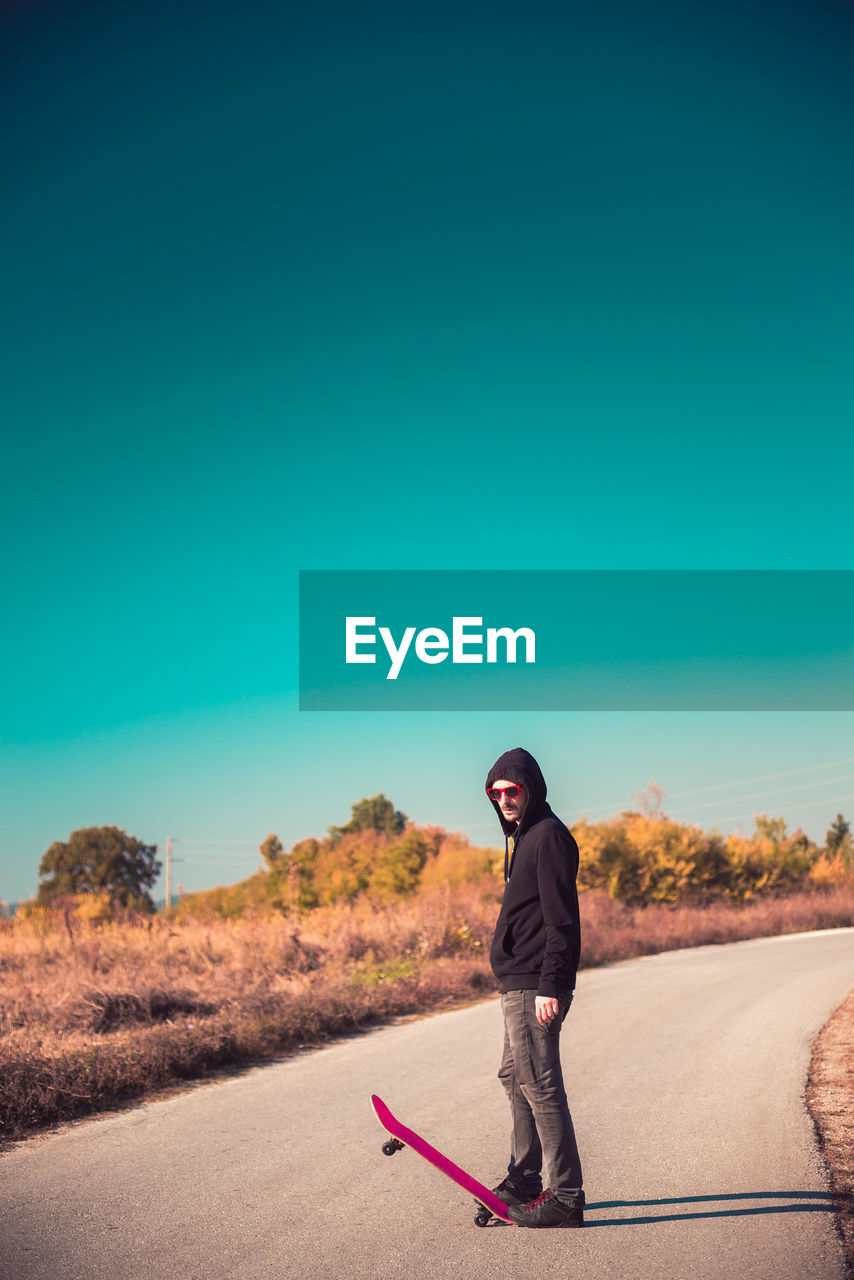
point(520, 766)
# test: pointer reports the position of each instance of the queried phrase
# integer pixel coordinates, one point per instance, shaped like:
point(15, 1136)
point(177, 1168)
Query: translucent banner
point(585, 640)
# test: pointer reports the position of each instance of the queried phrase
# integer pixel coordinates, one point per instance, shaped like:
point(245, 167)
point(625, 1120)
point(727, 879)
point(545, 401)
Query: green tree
point(271, 851)
point(376, 814)
point(301, 870)
point(397, 868)
point(100, 860)
point(838, 839)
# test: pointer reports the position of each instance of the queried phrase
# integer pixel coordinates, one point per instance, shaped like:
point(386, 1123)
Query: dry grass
point(830, 1095)
point(611, 931)
point(94, 1014)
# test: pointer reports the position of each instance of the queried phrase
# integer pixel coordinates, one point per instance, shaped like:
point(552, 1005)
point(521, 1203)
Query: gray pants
point(543, 1134)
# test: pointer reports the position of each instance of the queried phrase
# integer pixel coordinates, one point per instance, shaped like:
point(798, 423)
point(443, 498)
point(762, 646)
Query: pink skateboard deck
point(489, 1204)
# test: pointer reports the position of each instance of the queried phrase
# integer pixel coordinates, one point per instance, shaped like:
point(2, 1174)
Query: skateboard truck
point(483, 1216)
point(393, 1144)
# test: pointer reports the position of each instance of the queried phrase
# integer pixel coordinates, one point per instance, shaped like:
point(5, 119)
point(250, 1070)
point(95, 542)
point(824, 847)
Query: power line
point(205, 841)
point(724, 786)
point(768, 777)
point(758, 795)
point(808, 804)
point(217, 857)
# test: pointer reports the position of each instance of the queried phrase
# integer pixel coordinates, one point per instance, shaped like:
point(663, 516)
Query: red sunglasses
point(511, 792)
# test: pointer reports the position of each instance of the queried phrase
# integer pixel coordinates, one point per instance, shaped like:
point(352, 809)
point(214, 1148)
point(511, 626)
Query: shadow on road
point(806, 1202)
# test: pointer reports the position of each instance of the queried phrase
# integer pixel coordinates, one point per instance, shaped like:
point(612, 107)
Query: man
point(534, 955)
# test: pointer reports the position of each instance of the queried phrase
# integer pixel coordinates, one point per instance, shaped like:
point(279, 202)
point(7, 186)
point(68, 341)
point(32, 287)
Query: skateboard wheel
point(389, 1148)
point(482, 1218)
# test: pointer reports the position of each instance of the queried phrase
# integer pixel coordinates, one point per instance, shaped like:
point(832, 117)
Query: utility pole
point(168, 872)
point(169, 860)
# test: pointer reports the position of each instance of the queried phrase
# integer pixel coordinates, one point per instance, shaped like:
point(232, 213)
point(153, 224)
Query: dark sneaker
point(545, 1211)
point(510, 1193)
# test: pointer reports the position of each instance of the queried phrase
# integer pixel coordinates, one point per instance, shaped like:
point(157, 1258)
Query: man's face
point(511, 808)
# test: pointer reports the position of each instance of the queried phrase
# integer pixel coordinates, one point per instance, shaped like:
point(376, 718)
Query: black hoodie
point(537, 939)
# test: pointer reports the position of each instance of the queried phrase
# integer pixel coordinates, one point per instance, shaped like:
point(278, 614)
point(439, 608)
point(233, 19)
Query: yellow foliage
point(458, 862)
point(636, 858)
point(639, 858)
point(93, 907)
point(39, 917)
point(831, 871)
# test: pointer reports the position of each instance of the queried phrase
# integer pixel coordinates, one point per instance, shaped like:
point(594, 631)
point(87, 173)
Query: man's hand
point(547, 1009)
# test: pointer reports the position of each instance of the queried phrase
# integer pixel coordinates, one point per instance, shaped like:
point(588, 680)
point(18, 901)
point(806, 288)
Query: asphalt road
point(685, 1073)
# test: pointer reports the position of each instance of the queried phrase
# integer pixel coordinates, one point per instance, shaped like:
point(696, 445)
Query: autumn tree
point(100, 860)
point(835, 864)
point(639, 858)
point(773, 829)
point(457, 862)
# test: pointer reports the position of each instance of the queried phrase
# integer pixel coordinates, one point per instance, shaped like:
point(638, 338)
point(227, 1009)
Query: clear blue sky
point(445, 286)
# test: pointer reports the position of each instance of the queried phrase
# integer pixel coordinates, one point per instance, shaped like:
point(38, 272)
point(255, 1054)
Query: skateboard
point(488, 1205)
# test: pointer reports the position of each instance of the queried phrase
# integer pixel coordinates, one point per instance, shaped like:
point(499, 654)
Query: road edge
point(830, 1100)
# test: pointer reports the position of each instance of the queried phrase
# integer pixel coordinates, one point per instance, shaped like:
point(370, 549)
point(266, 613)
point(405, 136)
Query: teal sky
point(381, 287)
